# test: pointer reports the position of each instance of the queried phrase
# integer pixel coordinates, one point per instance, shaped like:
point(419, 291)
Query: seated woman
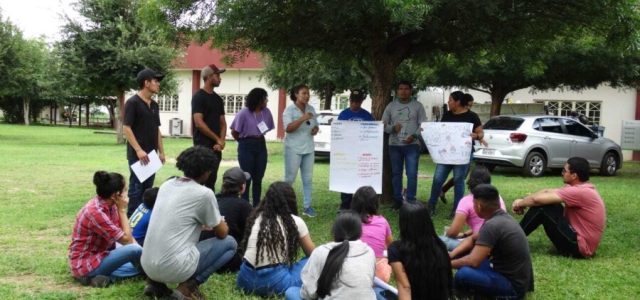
point(376, 231)
point(273, 234)
point(102, 222)
point(343, 269)
point(465, 212)
point(419, 260)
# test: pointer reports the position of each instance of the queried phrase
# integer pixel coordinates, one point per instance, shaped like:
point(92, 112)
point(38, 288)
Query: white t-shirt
point(251, 252)
point(182, 207)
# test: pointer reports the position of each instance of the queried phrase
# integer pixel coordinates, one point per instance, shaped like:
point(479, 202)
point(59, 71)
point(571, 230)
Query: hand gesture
point(409, 139)
point(516, 207)
point(397, 127)
point(122, 201)
point(315, 130)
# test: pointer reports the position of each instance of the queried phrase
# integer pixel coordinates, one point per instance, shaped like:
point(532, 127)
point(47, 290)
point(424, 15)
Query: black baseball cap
point(357, 95)
point(235, 176)
point(148, 74)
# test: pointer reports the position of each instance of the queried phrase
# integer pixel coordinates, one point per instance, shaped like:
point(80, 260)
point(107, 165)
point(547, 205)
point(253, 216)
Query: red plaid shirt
point(96, 230)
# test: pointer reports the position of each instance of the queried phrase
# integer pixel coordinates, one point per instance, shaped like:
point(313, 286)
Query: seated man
point(172, 253)
point(235, 211)
point(499, 264)
point(576, 228)
point(139, 220)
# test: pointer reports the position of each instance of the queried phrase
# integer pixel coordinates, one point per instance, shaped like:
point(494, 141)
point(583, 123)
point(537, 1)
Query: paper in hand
point(144, 172)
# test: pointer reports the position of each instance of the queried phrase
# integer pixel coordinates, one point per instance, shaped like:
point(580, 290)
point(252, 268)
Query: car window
point(547, 125)
point(326, 119)
point(575, 128)
point(503, 123)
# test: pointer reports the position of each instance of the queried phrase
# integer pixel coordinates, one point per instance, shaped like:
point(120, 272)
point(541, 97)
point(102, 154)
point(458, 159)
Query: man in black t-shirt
point(141, 128)
point(499, 264)
point(210, 126)
point(235, 211)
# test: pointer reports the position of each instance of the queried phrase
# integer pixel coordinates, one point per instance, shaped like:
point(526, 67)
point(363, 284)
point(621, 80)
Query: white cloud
point(37, 18)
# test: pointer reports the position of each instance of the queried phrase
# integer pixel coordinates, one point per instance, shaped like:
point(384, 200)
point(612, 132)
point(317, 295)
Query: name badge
point(262, 126)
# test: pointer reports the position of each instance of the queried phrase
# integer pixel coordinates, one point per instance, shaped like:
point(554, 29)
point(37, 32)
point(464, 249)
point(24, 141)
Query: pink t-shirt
point(584, 209)
point(465, 207)
point(375, 234)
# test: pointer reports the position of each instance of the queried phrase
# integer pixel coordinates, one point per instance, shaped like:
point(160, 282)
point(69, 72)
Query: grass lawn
point(46, 175)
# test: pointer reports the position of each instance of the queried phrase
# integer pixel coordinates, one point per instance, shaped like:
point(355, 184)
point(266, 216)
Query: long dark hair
point(425, 257)
point(107, 184)
point(255, 98)
point(347, 227)
point(479, 175)
point(278, 202)
point(365, 203)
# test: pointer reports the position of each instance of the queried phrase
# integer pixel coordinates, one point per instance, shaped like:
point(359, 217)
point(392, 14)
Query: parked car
point(322, 140)
point(541, 142)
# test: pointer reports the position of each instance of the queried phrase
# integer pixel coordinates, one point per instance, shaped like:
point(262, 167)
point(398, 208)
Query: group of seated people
point(187, 234)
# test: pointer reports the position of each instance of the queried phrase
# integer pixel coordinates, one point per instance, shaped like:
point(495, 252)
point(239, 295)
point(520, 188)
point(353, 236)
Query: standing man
point(402, 118)
point(576, 228)
point(354, 112)
point(207, 109)
point(141, 128)
point(499, 264)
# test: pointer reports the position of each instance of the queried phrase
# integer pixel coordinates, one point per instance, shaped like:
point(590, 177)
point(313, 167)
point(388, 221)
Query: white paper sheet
point(449, 143)
point(356, 156)
point(378, 282)
point(144, 172)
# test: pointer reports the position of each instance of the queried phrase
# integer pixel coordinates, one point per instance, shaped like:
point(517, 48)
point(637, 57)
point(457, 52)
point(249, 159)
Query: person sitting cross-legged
point(576, 228)
point(499, 264)
point(172, 252)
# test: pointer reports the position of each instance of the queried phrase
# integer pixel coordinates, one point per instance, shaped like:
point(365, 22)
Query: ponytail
point(107, 184)
point(332, 268)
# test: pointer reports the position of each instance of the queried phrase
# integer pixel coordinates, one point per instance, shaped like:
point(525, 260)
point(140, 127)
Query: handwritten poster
point(356, 156)
point(448, 143)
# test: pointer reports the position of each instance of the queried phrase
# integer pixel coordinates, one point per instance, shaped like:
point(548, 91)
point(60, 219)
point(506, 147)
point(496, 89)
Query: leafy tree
point(105, 50)
point(380, 35)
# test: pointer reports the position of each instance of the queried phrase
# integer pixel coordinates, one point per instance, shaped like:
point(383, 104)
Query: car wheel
point(609, 164)
point(534, 165)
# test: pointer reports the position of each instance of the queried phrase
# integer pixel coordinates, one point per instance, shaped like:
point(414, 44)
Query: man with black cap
point(354, 112)
point(235, 211)
point(141, 128)
point(207, 109)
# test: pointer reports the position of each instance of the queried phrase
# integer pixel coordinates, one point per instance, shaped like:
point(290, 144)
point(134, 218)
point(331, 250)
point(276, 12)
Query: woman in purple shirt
point(248, 128)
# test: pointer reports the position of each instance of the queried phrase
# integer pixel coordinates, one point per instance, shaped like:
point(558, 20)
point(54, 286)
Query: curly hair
point(255, 98)
point(278, 205)
point(294, 91)
point(195, 161)
point(425, 257)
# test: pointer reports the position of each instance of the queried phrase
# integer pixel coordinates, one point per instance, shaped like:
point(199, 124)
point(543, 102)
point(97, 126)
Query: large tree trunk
point(497, 97)
point(25, 109)
point(327, 94)
point(112, 113)
point(55, 113)
point(120, 119)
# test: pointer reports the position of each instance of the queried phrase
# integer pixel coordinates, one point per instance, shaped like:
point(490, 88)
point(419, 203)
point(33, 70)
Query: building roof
point(198, 56)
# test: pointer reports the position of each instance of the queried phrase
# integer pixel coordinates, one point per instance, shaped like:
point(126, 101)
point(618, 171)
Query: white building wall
point(617, 105)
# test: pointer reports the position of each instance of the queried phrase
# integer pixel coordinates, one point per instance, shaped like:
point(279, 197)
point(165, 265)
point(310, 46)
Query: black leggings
point(556, 226)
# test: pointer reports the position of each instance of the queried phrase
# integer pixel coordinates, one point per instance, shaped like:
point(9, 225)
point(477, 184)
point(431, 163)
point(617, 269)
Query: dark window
point(503, 123)
point(547, 125)
point(575, 128)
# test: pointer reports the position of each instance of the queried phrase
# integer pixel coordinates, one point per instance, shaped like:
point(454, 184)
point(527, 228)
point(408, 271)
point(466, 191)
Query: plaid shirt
point(96, 230)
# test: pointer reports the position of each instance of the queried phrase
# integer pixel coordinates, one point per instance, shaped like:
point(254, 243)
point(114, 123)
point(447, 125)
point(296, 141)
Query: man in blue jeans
point(402, 118)
point(172, 251)
point(141, 128)
point(499, 264)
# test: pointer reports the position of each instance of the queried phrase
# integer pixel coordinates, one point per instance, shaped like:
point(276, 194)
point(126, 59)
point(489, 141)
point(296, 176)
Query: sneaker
point(190, 290)
point(309, 212)
point(100, 281)
point(156, 289)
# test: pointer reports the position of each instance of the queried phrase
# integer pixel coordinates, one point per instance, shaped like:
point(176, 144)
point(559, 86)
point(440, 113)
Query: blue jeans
point(404, 156)
point(451, 243)
point(214, 253)
point(485, 281)
point(269, 281)
point(136, 189)
point(304, 162)
point(440, 176)
point(252, 156)
point(122, 262)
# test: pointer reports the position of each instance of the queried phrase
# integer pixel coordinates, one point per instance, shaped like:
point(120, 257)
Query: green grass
point(46, 178)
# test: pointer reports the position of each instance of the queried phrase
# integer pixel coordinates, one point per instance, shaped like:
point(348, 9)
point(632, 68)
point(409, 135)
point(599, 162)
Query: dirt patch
point(35, 283)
